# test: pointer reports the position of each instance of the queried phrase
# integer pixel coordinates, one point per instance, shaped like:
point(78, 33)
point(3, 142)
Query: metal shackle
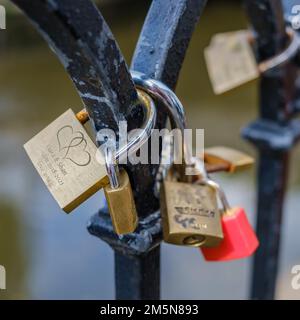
point(221, 193)
point(284, 56)
point(137, 141)
point(150, 120)
point(112, 168)
point(175, 110)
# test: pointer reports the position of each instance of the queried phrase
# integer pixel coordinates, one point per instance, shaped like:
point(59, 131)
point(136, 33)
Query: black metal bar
point(86, 47)
point(159, 54)
point(272, 177)
point(274, 134)
point(165, 37)
point(142, 276)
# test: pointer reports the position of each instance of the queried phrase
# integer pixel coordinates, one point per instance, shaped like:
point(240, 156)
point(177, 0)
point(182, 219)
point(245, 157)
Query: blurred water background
point(50, 255)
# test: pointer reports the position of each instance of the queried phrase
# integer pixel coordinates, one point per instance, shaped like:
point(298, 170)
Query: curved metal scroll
point(87, 49)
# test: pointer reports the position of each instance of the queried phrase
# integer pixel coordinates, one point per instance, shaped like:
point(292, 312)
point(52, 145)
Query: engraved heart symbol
point(73, 144)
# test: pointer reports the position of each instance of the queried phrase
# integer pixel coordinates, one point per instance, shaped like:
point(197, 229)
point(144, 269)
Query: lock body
point(233, 160)
point(121, 205)
point(239, 242)
point(65, 158)
point(190, 214)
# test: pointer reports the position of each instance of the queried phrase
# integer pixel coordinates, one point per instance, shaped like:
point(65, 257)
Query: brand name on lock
point(189, 206)
point(187, 215)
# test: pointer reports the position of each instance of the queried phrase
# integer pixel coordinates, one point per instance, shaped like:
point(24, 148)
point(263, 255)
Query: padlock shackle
point(280, 58)
point(144, 134)
point(147, 87)
point(221, 193)
point(285, 55)
point(175, 110)
point(165, 95)
point(137, 141)
point(111, 168)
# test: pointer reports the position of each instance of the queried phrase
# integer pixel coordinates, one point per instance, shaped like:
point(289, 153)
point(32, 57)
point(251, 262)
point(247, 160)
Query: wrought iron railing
point(86, 47)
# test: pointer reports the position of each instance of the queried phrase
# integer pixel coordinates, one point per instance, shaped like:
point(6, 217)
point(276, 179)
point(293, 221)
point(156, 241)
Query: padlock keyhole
point(194, 241)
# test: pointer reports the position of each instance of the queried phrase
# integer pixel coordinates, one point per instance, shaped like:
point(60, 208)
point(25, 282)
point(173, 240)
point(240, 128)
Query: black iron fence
point(86, 47)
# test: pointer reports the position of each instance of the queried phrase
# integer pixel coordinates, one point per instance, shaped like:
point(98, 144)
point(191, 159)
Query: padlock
point(190, 213)
point(231, 62)
point(65, 156)
point(228, 159)
point(119, 197)
point(240, 240)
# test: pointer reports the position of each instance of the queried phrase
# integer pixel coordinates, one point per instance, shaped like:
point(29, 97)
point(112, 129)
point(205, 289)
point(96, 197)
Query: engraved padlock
point(119, 197)
point(240, 240)
point(222, 158)
point(190, 213)
point(69, 162)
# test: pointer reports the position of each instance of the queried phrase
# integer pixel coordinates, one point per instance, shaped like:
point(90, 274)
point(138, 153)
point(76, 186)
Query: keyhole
point(194, 241)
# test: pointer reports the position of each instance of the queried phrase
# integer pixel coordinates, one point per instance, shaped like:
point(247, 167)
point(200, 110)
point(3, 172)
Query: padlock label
point(65, 158)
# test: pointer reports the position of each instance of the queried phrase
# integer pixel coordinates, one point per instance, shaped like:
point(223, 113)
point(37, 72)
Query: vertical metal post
point(159, 54)
point(138, 277)
point(274, 134)
point(272, 176)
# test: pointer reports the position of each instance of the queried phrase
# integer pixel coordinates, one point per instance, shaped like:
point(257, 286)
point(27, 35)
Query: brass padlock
point(190, 213)
point(227, 159)
point(65, 156)
point(119, 197)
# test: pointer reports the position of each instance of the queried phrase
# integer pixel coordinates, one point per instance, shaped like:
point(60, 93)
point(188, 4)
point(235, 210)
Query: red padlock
point(240, 240)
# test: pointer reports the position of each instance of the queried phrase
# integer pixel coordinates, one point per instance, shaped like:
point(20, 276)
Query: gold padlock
point(227, 159)
point(119, 197)
point(190, 213)
point(65, 156)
